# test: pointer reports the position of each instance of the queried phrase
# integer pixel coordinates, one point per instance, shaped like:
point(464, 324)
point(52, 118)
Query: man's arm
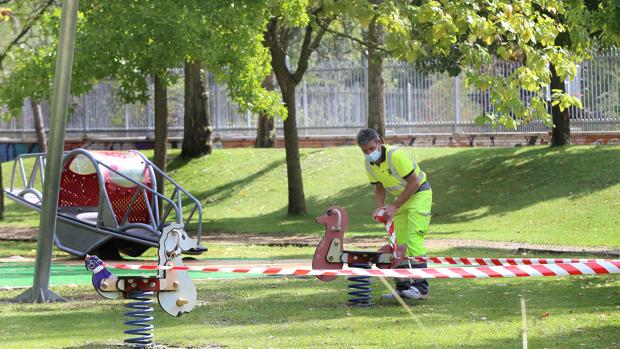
point(379, 195)
point(412, 186)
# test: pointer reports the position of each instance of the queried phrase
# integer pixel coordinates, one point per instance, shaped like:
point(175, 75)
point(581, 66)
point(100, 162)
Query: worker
point(391, 170)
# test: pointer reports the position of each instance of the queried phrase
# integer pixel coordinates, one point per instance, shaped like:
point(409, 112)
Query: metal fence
point(332, 99)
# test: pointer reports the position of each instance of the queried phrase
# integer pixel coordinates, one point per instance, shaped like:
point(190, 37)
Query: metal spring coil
point(141, 311)
point(359, 296)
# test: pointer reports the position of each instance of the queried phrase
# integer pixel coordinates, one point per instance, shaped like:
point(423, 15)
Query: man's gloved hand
point(384, 213)
point(378, 214)
point(390, 211)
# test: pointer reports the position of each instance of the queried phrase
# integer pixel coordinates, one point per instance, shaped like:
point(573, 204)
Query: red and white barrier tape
point(503, 261)
point(559, 269)
point(389, 227)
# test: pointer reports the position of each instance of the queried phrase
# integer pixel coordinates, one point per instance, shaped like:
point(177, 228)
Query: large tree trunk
point(266, 130)
point(376, 107)
point(560, 134)
point(276, 38)
point(197, 128)
point(161, 129)
point(296, 197)
point(39, 126)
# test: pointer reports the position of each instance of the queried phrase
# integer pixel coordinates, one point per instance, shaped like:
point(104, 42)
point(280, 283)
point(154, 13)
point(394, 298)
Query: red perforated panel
point(121, 199)
point(78, 190)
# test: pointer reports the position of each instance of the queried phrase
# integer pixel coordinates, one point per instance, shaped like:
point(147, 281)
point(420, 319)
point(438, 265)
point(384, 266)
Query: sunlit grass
point(565, 196)
point(280, 312)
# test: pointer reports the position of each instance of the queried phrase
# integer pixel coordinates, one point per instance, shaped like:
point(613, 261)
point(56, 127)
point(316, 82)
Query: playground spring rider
point(330, 254)
point(176, 292)
point(108, 201)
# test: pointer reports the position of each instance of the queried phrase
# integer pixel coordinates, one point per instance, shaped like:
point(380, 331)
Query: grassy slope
point(567, 196)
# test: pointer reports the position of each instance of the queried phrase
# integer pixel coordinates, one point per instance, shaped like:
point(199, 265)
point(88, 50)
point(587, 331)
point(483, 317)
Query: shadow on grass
point(294, 307)
point(467, 185)
point(358, 201)
point(582, 338)
point(504, 180)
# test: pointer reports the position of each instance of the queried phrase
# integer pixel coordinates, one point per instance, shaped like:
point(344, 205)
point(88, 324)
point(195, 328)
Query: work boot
point(414, 293)
point(390, 295)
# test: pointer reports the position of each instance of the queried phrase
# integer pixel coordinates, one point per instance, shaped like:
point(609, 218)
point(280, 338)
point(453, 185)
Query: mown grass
point(567, 196)
point(570, 312)
point(216, 250)
point(560, 196)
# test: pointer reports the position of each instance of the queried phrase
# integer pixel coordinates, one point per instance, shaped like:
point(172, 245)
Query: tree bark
point(296, 197)
point(161, 129)
point(560, 134)
point(39, 126)
point(266, 130)
point(276, 38)
point(376, 107)
point(197, 126)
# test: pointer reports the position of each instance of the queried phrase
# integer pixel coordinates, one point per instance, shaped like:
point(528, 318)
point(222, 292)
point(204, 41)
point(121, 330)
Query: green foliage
point(5, 14)
point(129, 41)
point(32, 67)
point(469, 36)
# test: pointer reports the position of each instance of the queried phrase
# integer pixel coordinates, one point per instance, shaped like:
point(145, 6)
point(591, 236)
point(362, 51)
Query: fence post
point(457, 105)
point(365, 73)
point(126, 120)
point(147, 110)
point(304, 101)
point(85, 122)
point(24, 125)
point(248, 117)
point(408, 101)
point(218, 115)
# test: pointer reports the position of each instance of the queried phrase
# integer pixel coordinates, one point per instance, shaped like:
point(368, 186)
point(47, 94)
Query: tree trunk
point(161, 129)
point(296, 198)
point(376, 107)
point(266, 130)
point(39, 126)
point(560, 134)
point(197, 126)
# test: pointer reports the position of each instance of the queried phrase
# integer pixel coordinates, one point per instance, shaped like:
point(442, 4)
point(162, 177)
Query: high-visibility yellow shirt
point(394, 167)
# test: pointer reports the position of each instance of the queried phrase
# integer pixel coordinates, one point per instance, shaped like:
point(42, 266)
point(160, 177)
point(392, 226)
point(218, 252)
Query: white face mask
point(374, 155)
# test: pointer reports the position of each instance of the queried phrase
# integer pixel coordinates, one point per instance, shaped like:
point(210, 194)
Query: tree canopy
point(131, 40)
point(468, 36)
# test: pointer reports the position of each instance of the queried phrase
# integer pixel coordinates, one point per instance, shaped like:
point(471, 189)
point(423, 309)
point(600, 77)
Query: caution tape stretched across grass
point(504, 261)
point(496, 271)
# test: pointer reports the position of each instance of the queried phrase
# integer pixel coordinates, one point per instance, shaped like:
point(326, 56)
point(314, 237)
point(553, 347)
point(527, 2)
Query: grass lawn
point(567, 196)
point(278, 312)
point(534, 194)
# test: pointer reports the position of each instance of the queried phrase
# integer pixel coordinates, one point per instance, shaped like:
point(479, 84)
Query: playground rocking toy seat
point(108, 202)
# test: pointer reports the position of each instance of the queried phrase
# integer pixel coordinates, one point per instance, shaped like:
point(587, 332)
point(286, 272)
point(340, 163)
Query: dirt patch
point(30, 234)
point(18, 234)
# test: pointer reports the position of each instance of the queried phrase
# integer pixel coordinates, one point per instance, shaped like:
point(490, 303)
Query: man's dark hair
point(366, 135)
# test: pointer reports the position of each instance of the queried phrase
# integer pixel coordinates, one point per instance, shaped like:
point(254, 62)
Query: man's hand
point(387, 211)
point(390, 211)
point(378, 212)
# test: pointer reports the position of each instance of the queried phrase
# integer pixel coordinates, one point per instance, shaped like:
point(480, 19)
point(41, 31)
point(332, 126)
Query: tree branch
point(353, 38)
point(32, 20)
point(278, 54)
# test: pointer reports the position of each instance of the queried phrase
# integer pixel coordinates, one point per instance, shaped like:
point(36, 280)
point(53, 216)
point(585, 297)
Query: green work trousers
point(412, 222)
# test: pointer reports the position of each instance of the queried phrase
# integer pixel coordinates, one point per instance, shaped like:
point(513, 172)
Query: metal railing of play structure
point(332, 99)
point(31, 174)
